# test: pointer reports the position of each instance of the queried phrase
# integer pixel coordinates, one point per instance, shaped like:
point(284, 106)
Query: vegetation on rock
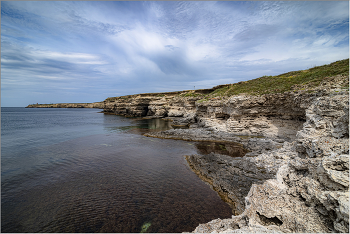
point(290, 81)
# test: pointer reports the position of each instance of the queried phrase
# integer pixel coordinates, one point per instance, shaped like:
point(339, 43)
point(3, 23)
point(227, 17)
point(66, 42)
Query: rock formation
point(310, 191)
point(98, 105)
point(295, 177)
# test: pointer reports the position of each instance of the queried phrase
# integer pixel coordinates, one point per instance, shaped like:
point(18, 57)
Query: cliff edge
point(296, 127)
point(295, 130)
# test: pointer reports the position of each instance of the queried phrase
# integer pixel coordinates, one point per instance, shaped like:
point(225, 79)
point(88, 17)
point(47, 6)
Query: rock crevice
point(295, 177)
point(310, 188)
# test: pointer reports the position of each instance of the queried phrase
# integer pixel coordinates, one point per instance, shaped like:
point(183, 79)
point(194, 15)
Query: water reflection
point(136, 125)
point(154, 124)
point(136, 184)
point(141, 126)
point(230, 149)
point(90, 181)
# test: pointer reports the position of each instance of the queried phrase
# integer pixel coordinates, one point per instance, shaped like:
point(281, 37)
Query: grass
point(113, 99)
point(191, 94)
point(203, 100)
point(305, 79)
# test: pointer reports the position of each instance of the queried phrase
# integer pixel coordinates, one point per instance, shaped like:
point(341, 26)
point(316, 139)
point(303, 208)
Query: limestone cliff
point(168, 104)
point(272, 115)
point(310, 191)
point(296, 126)
point(297, 175)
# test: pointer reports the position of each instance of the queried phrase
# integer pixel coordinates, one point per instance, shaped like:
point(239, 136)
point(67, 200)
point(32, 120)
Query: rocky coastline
point(98, 105)
point(291, 172)
point(297, 167)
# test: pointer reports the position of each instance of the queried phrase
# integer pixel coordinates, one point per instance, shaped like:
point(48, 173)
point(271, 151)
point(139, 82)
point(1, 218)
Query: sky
point(57, 52)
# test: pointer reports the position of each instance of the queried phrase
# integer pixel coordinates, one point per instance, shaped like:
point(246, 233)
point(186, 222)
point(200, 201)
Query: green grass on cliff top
point(307, 79)
point(290, 81)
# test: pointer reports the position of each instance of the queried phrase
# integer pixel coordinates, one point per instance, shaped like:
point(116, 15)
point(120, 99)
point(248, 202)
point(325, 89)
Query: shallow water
point(77, 170)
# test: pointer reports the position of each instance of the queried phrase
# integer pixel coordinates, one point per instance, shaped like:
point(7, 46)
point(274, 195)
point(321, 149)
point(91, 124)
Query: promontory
point(294, 176)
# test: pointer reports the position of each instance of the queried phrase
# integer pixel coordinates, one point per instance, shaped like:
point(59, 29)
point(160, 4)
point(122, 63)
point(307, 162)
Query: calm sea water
point(77, 170)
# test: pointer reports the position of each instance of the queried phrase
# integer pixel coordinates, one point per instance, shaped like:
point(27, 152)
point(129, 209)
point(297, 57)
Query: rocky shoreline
point(297, 183)
point(291, 173)
point(98, 105)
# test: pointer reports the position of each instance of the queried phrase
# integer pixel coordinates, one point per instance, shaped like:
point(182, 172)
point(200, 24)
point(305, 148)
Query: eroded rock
point(310, 192)
point(295, 177)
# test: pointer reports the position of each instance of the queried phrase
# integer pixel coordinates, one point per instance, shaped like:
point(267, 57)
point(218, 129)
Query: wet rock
point(225, 148)
point(184, 122)
point(310, 192)
point(231, 177)
point(294, 179)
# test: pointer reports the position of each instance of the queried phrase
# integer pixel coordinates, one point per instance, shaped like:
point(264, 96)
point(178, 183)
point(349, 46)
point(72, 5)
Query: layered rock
point(280, 115)
point(295, 201)
point(295, 177)
point(299, 173)
point(310, 192)
point(230, 177)
point(172, 104)
point(271, 115)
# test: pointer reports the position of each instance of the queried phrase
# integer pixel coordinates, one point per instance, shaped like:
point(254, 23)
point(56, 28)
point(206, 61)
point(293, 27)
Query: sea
point(79, 170)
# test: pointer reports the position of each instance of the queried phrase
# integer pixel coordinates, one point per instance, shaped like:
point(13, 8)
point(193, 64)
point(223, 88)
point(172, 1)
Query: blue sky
point(54, 52)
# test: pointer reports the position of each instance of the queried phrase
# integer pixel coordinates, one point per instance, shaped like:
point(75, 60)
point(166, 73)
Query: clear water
point(77, 170)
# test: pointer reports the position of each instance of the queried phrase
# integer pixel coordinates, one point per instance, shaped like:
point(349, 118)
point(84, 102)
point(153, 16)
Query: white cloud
point(163, 46)
point(74, 58)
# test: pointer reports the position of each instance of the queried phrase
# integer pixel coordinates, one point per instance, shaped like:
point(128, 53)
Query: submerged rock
point(310, 189)
point(284, 184)
point(231, 177)
point(295, 177)
point(145, 226)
